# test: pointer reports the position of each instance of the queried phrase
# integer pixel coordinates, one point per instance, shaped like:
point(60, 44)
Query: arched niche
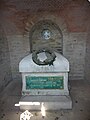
point(46, 34)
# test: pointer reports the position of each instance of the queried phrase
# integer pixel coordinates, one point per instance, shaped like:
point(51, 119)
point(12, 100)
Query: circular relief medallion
point(46, 34)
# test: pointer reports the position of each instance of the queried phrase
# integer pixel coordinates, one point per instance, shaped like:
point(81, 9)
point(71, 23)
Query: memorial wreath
point(50, 57)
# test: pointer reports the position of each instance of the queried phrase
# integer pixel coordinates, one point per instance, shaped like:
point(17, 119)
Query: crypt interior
point(67, 23)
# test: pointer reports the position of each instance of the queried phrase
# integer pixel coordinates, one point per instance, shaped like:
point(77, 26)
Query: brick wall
point(5, 69)
point(74, 47)
point(19, 47)
point(87, 55)
point(75, 50)
point(55, 42)
point(71, 17)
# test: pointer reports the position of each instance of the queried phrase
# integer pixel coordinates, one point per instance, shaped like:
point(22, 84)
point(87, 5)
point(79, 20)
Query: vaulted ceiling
point(14, 13)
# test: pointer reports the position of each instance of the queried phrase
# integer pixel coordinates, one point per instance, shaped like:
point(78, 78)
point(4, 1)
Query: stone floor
point(80, 93)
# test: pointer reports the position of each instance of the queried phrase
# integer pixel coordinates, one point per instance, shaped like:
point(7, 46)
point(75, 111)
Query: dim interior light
point(16, 105)
point(43, 110)
point(26, 113)
point(27, 103)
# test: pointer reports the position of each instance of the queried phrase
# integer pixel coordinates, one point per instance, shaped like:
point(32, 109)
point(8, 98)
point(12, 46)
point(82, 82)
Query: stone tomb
point(47, 84)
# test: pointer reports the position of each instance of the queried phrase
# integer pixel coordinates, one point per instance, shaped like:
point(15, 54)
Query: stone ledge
point(50, 102)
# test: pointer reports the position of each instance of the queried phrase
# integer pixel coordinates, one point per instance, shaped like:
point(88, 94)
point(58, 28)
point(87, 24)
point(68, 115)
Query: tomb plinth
point(46, 84)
